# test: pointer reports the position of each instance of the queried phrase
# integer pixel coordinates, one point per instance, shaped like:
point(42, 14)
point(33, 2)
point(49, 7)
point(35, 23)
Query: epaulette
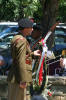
point(16, 41)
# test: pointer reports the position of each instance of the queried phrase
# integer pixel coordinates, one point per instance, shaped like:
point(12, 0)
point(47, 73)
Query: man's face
point(28, 31)
point(36, 34)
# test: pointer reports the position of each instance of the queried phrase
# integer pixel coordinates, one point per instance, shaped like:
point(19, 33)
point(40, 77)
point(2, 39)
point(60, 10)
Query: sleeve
point(21, 56)
point(29, 50)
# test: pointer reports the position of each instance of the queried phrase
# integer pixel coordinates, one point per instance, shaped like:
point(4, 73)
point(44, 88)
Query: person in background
point(36, 35)
point(37, 31)
point(20, 74)
point(63, 64)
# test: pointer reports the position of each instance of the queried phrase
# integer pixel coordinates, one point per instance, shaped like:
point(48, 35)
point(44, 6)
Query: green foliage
point(25, 8)
point(62, 11)
point(29, 8)
point(17, 9)
point(38, 13)
point(37, 16)
point(7, 10)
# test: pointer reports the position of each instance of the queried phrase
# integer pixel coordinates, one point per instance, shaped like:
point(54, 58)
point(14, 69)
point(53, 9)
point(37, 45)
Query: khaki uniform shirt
point(21, 70)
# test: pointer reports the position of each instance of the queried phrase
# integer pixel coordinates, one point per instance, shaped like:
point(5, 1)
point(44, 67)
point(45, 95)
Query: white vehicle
point(4, 25)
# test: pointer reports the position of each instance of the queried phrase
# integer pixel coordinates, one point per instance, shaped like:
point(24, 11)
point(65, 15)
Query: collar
point(20, 33)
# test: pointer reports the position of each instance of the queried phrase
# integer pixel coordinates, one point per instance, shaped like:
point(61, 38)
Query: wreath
point(35, 88)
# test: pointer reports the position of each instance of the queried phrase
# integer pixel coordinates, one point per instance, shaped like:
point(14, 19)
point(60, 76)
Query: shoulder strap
point(16, 41)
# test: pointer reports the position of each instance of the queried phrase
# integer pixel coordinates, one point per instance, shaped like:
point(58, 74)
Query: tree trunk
point(50, 12)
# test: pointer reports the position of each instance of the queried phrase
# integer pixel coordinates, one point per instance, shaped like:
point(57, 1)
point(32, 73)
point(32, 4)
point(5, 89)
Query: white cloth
point(50, 54)
point(64, 62)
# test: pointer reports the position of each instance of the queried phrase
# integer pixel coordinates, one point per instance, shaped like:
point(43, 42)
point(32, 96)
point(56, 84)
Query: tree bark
point(50, 12)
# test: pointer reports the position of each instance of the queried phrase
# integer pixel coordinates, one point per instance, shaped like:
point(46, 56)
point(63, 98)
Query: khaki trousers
point(15, 92)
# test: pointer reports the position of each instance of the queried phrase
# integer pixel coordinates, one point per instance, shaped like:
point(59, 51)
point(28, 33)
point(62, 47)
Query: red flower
point(49, 93)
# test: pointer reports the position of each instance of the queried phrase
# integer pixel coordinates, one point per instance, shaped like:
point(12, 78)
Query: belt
point(28, 61)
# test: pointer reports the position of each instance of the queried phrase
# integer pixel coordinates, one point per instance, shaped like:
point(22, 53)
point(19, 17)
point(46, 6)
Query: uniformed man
point(20, 73)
